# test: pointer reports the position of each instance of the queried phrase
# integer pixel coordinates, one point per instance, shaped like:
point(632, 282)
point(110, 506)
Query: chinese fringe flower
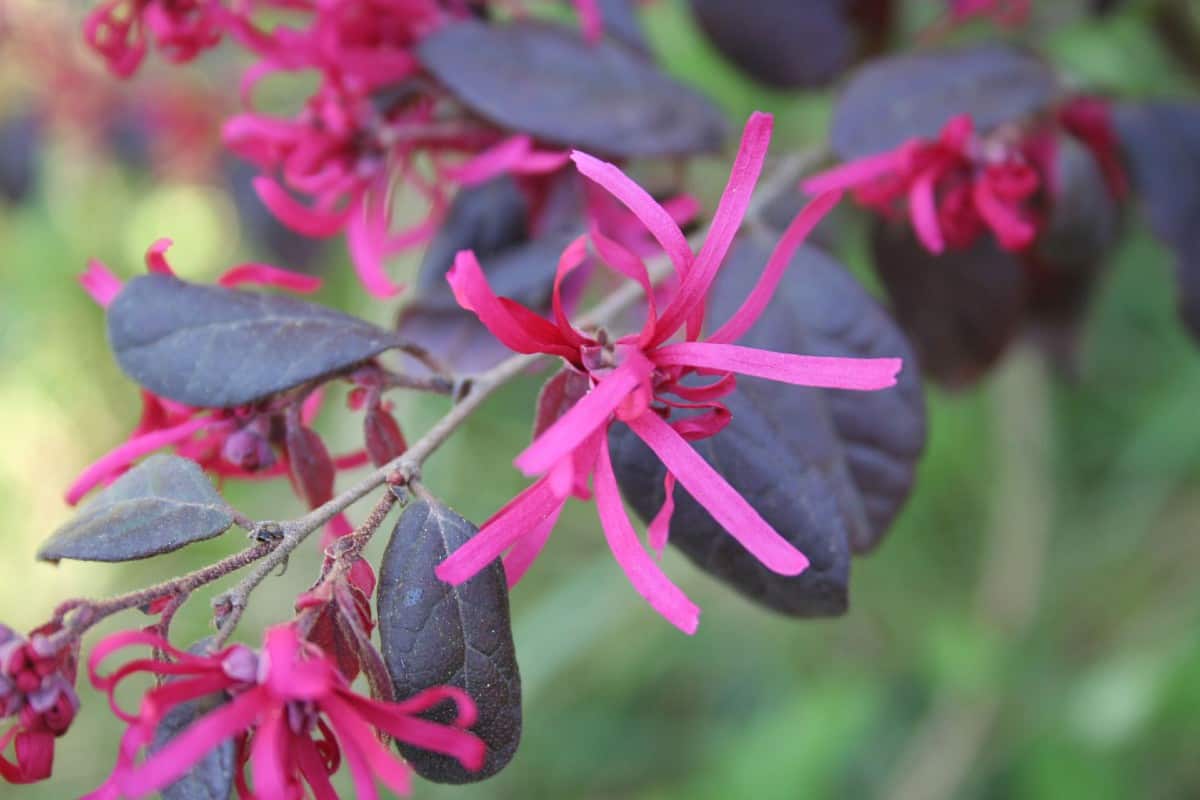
point(37, 687)
point(638, 380)
point(181, 29)
point(292, 713)
point(1009, 13)
point(952, 187)
point(228, 442)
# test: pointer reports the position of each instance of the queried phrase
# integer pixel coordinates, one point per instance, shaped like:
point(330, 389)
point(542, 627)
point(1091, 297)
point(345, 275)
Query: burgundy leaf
point(310, 466)
point(828, 469)
point(162, 504)
point(961, 309)
point(434, 633)
point(212, 347)
point(894, 99)
point(382, 435)
point(544, 80)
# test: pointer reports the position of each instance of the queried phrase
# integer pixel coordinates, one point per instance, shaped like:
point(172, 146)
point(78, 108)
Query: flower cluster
point(37, 690)
point(289, 710)
point(640, 379)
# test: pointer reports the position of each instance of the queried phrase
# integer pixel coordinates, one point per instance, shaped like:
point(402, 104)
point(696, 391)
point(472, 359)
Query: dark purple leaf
point(961, 309)
point(492, 220)
point(211, 347)
point(1161, 143)
point(310, 466)
point(20, 142)
point(212, 777)
point(621, 23)
point(780, 43)
point(162, 504)
point(434, 633)
point(1079, 231)
point(544, 80)
point(828, 469)
point(894, 99)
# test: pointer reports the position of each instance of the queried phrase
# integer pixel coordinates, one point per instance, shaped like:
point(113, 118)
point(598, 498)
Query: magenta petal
point(644, 207)
point(526, 549)
point(267, 275)
point(518, 517)
point(156, 257)
point(825, 372)
point(647, 577)
point(659, 528)
point(855, 173)
point(922, 205)
point(367, 240)
point(722, 501)
point(572, 256)
point(312, 767)
point(448, 740)
point(592, 412)
point(791, 240)
point(183, 752)
point(100, 282)
point(297, 216)
point(688, 303)
point(630, 265)
point(269, 754)
point(121, 457)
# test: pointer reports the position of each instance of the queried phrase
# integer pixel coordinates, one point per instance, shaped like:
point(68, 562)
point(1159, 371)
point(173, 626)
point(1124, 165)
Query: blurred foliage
point(1029, 628)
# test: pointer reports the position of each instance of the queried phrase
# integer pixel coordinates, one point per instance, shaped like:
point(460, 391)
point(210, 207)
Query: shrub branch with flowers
point(736, 387)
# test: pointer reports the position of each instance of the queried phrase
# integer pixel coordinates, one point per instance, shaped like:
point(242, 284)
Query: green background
point(1028, 629)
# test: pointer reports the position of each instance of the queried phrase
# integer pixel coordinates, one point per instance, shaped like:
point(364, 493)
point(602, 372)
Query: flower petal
point(591, 413)
point(785, 249)
point(517, 518)
point(526, 549)
point(267, 275)
point(296, 215)
point(644, 207)
point(647, 577)
point(122, 456)
point(722, 501)
point(100, 283)
point(688, 303)
point(825, 372)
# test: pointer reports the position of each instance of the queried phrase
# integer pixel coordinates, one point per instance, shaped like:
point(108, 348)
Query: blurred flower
point(37, 686)
point(951, 187)
point(639, 380)
point(291, 710)
point(181, 30)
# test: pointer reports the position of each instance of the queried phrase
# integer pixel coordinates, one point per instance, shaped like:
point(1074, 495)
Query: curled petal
point(367, 238)
point(267, 275)
point(156, 257)
point(526, 549)
point(660, 527)
point(297, 216)
point(856, 173)
point(722, 501)
point(922, 205)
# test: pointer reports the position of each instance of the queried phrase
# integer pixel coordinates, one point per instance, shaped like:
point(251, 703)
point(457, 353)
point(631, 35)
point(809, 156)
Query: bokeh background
point(1030, 628)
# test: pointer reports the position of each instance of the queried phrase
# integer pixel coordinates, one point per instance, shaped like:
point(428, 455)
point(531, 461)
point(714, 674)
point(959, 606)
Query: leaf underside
point(161, 505)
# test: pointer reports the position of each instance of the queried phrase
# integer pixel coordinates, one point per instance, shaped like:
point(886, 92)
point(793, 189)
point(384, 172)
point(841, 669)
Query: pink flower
point(951, 187)
point(294, 715)
point(1009, 13)
point(181, 29)
point(228, 442)
point(638, 380)
point(37, 686)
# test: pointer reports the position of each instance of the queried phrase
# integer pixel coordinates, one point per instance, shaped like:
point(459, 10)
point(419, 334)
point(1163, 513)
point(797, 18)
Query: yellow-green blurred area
point(1030, 628)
